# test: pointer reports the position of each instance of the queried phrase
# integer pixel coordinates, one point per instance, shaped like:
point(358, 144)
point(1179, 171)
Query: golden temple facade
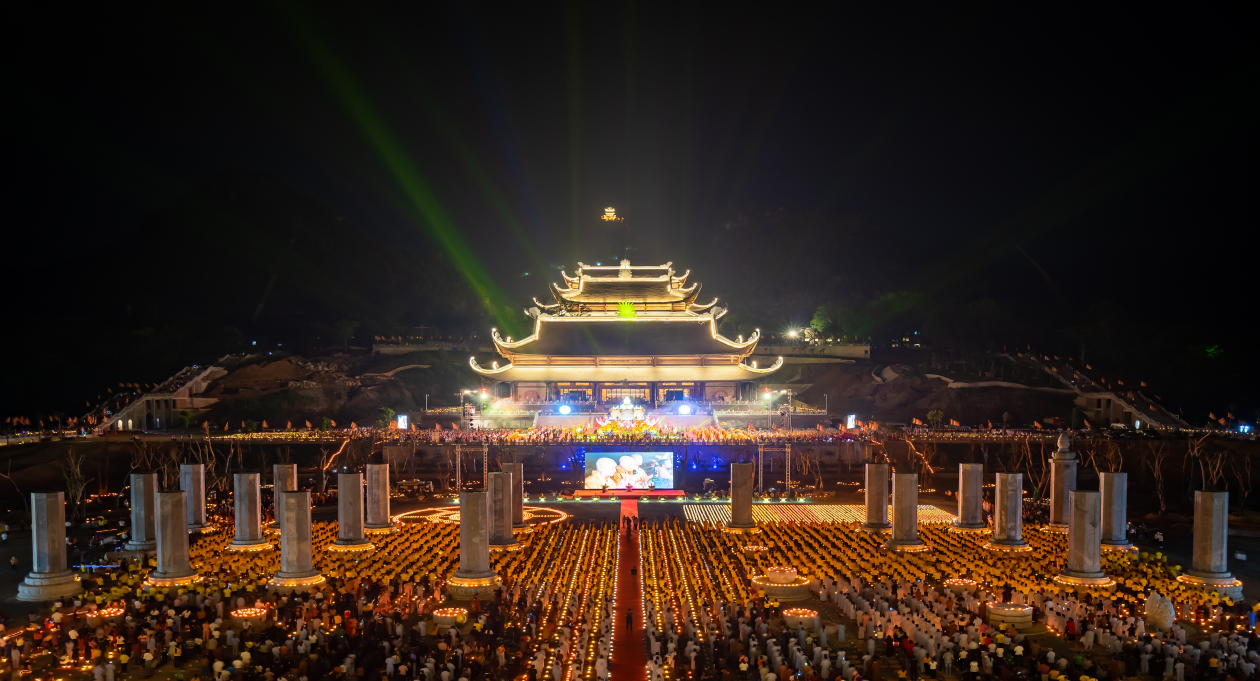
point(625, 332)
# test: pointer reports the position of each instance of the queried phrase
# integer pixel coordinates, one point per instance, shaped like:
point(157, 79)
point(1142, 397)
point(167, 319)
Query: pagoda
point(623, 332)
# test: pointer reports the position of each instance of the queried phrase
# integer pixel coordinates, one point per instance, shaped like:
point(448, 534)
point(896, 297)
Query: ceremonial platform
point(630, 493)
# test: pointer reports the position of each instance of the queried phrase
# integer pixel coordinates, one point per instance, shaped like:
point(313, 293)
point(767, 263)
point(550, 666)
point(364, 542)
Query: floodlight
point(565, 409)
point(684, 409)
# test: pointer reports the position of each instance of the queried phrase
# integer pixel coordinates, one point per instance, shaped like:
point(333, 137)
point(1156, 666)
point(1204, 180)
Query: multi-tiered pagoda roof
point(626, 325)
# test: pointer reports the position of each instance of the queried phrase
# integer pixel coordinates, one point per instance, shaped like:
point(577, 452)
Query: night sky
point(1055, 159)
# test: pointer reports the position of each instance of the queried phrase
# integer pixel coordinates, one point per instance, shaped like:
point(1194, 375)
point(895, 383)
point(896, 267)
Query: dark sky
point(1117, 149)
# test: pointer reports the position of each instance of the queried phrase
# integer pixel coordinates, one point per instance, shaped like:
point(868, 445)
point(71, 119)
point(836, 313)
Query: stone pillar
point(378, 498)
point(905, 522)
point(247, 503)
point(501, 487)
point(283, 479)
point(1084, 555)
point(1008, 513)
point(518, 494)
point(1209, 566)
point(297, 567)
point(970, 497)
point(350, 535)
point(474, 575)
point(50, 578)
point(876, 498)
point(143, 508)
point(741, 498)
point(1062, 483)
point(192, 482)
point(1115, 492)
point(172, 542)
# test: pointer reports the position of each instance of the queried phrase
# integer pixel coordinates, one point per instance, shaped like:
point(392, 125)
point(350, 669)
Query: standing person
point(13, 562)
point(629, 619)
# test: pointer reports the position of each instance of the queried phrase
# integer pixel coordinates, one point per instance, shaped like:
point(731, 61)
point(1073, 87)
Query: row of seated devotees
point(913, 630)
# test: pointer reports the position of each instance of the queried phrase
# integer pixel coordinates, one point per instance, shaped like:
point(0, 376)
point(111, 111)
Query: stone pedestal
point(1115, 493)
point(876, 498)
point(1084, 555)
point(905, 522)
point(350, 535)
point(192, 481)
point(297, 567)
point(172, 542)
point(970, 497)
point(501, 537)
point(377, 509)
point(50, 578)
point(518, 494)
point(1209, 566)
point(741, 498)
point(283, 479)
point(247, 503)
point(474, 575)
point(1008, 514)
point(1062, 483)
point(143, 509)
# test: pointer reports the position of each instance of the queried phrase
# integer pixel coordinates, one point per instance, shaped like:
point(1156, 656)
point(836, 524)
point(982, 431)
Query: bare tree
point(8, 475)
point(1154, 458)
point(327, 458)
point(76, 482)
point(1241, 465)
point(1038, 466)
point(1211, 464)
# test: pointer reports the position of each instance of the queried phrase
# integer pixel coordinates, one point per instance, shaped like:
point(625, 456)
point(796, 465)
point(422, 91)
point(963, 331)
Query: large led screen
point(630, 470)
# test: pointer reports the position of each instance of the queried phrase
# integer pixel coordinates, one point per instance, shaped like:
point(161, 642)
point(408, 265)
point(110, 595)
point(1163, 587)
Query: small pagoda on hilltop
point(625, 332)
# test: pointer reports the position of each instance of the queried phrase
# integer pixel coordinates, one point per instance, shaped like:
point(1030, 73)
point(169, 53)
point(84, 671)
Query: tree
point(343, 331)
point(185, 419)
point(1154, 457)
point(1077, 419)
point(935, 417)
point(76, 482)
point(385, 416)
point(1006, 419)
point(325, 424)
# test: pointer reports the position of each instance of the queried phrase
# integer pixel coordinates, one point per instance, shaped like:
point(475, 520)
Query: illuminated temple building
point(623, 331)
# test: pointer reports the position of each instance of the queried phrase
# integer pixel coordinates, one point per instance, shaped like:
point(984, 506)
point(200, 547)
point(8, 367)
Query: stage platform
point(630, 493)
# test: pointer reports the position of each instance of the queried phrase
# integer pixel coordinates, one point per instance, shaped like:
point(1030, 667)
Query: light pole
point(426, 405)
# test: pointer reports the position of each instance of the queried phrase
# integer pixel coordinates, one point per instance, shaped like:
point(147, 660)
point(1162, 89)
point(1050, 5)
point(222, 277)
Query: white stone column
point(1084, 556)
point(377, 498)
point(1209, 564)
point(172, 542)
point(500, 488)
point(1062, 482)
point(970, 497)
point(518, 494)
point(283, 479)
point(50, 578)
point(876, 498)
point(192, 481)
point(474, 575)
point(350, 536)
point(1115, 524)
point(905, 521)
point(247, 502)
point(741, 498)
point(143, 510)
point(297, 566)
point(1008, 513)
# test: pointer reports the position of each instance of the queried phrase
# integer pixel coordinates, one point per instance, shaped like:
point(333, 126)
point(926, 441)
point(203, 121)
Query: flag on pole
point(1037, 425)
point(953, 422)
point(1087, 423)
point(916, 422)
point(264, 423)
point(353, 425)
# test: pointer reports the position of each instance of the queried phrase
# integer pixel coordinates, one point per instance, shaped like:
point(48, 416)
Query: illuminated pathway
point(630, 645)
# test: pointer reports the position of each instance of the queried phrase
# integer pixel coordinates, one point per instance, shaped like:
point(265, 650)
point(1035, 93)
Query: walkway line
point(629, 646)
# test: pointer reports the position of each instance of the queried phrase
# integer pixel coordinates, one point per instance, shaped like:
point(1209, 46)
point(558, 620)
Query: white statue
point(1160, 613)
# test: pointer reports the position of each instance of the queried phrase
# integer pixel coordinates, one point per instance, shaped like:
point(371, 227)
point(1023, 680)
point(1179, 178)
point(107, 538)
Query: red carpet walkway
point(629, 653)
